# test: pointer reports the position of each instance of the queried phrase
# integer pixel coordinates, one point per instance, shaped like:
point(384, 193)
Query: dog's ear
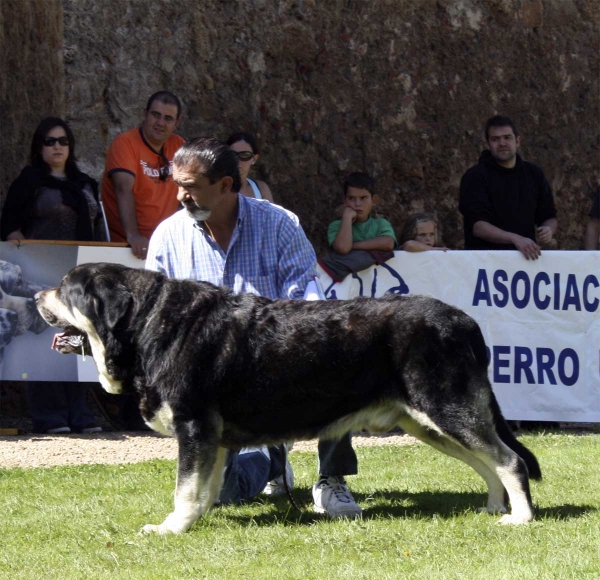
point(38, 324)
point(114, 307)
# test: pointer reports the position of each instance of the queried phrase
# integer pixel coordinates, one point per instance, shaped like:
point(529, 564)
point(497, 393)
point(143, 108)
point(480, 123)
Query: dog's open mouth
point(71, 341)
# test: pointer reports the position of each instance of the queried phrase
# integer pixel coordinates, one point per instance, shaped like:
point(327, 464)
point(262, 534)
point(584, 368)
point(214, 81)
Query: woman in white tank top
point(245, 147)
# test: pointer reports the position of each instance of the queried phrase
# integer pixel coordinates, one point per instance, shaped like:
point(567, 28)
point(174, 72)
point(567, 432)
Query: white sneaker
point(276, 486)
point(64, 430)
point(91, 429)
point(332, 497)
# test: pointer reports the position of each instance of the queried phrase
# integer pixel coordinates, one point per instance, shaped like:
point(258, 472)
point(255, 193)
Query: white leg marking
point(521, 508)
point(162, 422)
point(187, 508)
point(193, 498)
point(504, 462)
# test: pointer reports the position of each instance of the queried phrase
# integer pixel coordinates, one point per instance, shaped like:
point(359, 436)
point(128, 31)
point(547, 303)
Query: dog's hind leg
point(502, 469)
point(496, 502)
point(497, 497)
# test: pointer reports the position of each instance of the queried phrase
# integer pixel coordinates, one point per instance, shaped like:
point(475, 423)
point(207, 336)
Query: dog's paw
point(173, 524)
point(514, 520)
point(161, 530)
point(493, 509)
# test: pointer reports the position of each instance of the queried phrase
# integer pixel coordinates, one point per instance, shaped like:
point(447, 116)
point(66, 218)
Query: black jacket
point(21, 197)
point(515, 200)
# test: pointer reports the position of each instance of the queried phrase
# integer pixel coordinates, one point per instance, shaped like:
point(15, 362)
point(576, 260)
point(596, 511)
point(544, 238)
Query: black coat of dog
point(218, 370)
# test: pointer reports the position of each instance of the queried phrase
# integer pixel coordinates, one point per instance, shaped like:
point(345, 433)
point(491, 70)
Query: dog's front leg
point(199, 477)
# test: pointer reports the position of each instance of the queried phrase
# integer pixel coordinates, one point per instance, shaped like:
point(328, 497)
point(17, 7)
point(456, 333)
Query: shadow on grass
point(396, 504)
point(564, 512)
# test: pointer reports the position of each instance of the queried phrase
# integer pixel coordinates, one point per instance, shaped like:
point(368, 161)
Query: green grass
point(420, 521)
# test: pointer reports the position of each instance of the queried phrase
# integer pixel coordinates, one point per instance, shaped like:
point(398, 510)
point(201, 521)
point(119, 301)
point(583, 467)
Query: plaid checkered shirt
point(268, 255)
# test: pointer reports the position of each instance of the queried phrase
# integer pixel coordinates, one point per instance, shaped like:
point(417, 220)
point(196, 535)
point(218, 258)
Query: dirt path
point(119, 447)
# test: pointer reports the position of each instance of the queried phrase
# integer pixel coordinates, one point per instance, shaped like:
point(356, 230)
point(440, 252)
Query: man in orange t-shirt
point(137, 188)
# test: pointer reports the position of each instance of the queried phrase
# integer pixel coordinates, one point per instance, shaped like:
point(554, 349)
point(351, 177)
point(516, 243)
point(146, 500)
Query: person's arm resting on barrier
point(416, 246)
point(385, 240)
point(491, 233)
point(123, 182)
point(378, 243)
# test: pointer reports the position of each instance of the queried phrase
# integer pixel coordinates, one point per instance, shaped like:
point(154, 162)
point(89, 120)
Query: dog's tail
point(502, 428)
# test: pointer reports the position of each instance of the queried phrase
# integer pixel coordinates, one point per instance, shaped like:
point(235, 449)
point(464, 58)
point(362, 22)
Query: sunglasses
point(244, 155)
point(51, 141)
point(164, 170)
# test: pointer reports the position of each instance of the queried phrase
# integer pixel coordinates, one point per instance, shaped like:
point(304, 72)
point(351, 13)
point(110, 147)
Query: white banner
point(540, 320)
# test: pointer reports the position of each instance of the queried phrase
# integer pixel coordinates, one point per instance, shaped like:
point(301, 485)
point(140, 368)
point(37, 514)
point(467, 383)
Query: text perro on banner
point(540, 320)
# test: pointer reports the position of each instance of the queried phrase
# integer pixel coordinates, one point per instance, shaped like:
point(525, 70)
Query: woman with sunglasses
point(53, 200)
point(245, 147)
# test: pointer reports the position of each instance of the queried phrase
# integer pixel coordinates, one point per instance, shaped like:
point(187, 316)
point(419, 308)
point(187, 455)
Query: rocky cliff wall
point(32, 81)
point(397, 88)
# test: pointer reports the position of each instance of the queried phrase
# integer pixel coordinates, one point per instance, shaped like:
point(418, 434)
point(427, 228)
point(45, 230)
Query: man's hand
point(527, 247)
point(139, 245)
point(15, 237)
point(544, 234)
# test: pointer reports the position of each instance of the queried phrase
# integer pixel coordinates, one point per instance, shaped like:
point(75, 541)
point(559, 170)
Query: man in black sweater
point(506, 202)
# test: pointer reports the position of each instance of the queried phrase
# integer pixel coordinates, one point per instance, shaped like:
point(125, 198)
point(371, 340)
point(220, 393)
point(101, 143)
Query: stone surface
point(32, 82)
point(398, 88)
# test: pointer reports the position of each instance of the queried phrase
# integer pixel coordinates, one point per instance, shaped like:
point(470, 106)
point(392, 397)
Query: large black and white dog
point(218, 370)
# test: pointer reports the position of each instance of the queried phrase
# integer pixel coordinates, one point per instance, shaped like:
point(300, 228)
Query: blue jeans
point(54, 404)
point(247, 474)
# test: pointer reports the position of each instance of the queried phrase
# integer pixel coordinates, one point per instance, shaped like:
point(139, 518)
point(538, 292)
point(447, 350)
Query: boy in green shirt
point(358, 240)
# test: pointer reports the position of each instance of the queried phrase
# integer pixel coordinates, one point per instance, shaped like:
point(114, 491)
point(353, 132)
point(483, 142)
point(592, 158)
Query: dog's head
point(97, 302)
point(17, 294)
point(10, 274)
point(8, 326)
point(24, 308)
point(13, 283)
